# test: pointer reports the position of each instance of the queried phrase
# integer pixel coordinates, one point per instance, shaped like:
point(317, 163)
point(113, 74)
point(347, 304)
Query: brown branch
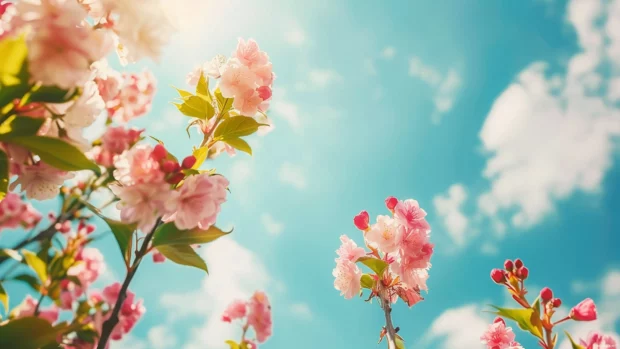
point(384, 301)
point(110, 323)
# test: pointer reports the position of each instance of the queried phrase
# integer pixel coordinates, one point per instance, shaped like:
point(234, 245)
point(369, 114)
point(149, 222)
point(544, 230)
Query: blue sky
point(500, 117)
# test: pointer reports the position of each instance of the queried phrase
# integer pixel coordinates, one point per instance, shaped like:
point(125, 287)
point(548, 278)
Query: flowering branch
point(390, 332)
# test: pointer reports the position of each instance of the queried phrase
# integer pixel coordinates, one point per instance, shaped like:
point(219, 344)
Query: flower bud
point(391, 202)
point(518, 263)
point(159, 152)
point(189, 161)
point(508, 265)
point(498, 276)
point(361, 220)
point(584, 311)
point(169, 166)
point(557, 302)
point(499, 319)
point(176, 178)
point(523, 273)
point(546, 294)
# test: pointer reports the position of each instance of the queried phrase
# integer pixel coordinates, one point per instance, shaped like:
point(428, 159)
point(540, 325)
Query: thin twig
point(36, 309)
point(387, 310)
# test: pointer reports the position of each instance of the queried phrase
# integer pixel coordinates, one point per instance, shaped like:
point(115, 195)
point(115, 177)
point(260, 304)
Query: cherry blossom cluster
point(14, 212)
point(254, 313)
point(539, 320)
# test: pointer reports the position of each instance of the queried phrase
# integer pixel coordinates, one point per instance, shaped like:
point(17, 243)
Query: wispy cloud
point(293, 175)
point(161, 337)
point(296, 37)
point(301, 310)
point(450, 330)
point(450, 208)
point(271, 225)
point(388, 53)
point(445, 86)
point(321, 78)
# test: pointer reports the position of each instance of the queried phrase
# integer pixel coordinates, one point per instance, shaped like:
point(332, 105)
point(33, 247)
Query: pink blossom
point(235, 310)
point(60, 49)
point(259, 316)
point(498, 336)
point(194, 76)
point(27, 307)
point(409, 296)
point(221, 147)
point(264, 92)
point(135, 97)
point(14, 212)
point(596, 340)
point(158, 257)
point(385, 234)
point(249, 54)
point(247, 102)
point(584, 311)
point(86, 108)
point(348, 278)
point(409, 214)
point(361, 220)
point(131, 310)
point(214, 67)
point(90, 266)
point(142, 203)
point(108, 80)
point(199, 201)
point(118, 139)
point(415, 247)
point(7, 12)
point(411, 276)
point(349, 250)
point(41, 181)
point(138, 166)
point(264, 74)
point(236, 80)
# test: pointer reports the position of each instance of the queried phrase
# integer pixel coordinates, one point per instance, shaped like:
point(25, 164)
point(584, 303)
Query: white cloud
point(170, 118)
point(450, 208)
point(296, 37)
point(445, 86)
point(369, 67)
point(321, 78)
point(489, 249)
point(272, 226)
point(287, 111)
point(301, 310)
point(449, 327)
point(613, 90)
point(235, 272)
point(160, 337)
point(293, 175)
point(388, 52)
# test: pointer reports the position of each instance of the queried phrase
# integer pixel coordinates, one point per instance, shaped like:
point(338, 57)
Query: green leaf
point(4, 174)
point(36, 264)
point(367, 281)
point(201, 155)
point(232, 344)
point(236, 126)
point(56, 152)
point(197, 107)
point(169, 234)
point(12, 60)
point(4, 298)
point(11, 253)
point(122, 231)
point(51, 94)
point(375, 264)
point(239, 144)
point(525, 318)
point(184, 255)
point(573, 343)
point(184, 94)
point(400, 344)
point(30, 280)
point(536, 306)
point(10, 93)
point(28, 333)
point(224, 104)
point(202, 88)
point(19, 126)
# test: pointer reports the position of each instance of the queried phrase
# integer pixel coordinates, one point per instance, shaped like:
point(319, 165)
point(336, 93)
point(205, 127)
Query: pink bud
point(168, 166)
point(264, 92)
point(90, 228)
point(557, 302)
point(391, 202)
point(508, 265)
point(499, 319)
point(159, 152)
point(518, 263)
point(158, 257)
point(189, 161)
point(584, 311)
point(498, 276)
point(546, 294)
point(361, 220)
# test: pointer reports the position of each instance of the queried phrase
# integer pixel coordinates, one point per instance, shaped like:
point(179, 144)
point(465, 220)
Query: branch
point(110, 323)
point(387, 310)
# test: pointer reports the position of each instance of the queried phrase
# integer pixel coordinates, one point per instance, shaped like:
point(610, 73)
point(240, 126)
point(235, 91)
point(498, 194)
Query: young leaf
point(36, 264)
point(201, 155)
point(12, 60)
point(202, 88)
point(9, 93)
point(197, 107)
point(367, 281)
point(400, 344)
point(51, 94)
point(238, 144)
point(184, 255)
point(169, 234)
point(4, 298)
point(224, 104)
point(27, 333)
point(236, 126)
point(573, 343)
point(56, 152)
point(157, 140)
point(122, 231)
point(19, 126)
point(4, 174)
point(184, 94)
point(525, 318)
point(232, 344)
point(375, 264)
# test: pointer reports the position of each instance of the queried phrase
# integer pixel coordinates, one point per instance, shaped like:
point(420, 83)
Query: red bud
point(508, 265)
point(176, 178)
point(159, 152)
point(499, 319)
point(523, 272)
point(361, 220)
point(557, 302)
point(518, 263)
point(498, 276)
point(546, 294)
point(391, 202)
point(169, 166)
point(189, 161)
